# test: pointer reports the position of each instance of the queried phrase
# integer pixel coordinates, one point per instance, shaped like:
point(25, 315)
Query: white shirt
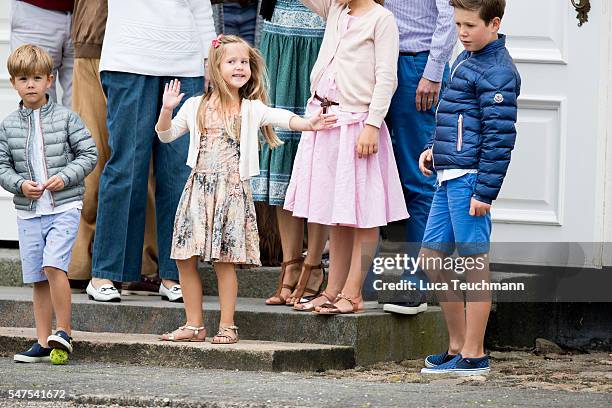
point(44, 205)
point(157, 37)
point(450, 174)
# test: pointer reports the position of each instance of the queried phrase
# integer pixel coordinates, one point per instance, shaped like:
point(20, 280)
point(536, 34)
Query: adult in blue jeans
point(143, 41)
point(238, 17)
point(427, 37)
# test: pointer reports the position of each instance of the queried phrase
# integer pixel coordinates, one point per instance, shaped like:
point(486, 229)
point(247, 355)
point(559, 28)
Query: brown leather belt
point(325, 103)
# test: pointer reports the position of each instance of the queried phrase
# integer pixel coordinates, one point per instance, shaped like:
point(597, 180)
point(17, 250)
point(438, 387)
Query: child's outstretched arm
point(318, 121)
point(169, 129)
point(285, 119)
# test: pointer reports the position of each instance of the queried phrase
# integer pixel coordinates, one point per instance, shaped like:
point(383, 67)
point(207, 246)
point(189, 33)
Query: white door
point(554, 190)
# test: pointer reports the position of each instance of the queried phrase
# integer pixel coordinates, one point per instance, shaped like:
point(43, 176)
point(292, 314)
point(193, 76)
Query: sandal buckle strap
point(348, 299)
point(196, 330)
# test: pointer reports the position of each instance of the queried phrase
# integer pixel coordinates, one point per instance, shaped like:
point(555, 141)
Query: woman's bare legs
point(317, 237)
point(291, 230)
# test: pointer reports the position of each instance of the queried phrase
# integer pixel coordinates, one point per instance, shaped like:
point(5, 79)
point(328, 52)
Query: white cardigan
point(255, 114)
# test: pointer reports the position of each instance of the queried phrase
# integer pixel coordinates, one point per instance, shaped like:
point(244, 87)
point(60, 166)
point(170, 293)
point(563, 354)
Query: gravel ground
point(564, 372)
point(518, 380)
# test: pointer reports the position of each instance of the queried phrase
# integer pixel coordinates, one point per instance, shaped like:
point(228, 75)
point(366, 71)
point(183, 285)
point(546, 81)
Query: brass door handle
point(582, 7)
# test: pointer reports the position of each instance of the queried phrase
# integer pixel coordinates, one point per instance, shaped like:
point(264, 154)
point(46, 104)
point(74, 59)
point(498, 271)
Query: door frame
point(605, 145)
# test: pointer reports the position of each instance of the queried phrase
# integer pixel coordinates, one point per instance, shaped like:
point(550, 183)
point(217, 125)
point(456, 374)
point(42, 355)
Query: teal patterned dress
point(290, 44)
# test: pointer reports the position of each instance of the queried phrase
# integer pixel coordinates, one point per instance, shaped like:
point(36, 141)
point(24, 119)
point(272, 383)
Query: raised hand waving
point(172, 95)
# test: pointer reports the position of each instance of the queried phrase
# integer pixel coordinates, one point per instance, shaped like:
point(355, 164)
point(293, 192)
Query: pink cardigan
point(366, 58)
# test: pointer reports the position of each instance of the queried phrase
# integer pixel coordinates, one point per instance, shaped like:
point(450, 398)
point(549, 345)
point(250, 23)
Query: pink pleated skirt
point(331, 185)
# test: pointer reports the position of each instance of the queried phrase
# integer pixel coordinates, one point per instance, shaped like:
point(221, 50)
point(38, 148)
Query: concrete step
point(374, 335)
point(254, 283)
point(147, 349)
point(261, 282)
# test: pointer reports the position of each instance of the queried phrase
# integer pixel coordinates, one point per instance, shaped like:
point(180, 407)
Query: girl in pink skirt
point(346, 177)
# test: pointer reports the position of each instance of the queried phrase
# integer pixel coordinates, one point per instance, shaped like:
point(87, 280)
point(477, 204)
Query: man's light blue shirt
point(426, 25)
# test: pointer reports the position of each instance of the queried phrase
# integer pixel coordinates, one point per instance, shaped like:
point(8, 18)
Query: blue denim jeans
point(240, 21)
point(410, 132)
point(134, 102)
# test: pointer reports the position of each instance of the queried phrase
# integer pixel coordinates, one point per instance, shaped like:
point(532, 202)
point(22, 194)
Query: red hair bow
point(217, 41)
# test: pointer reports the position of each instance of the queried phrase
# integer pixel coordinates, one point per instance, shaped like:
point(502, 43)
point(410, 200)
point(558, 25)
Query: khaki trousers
point(89, 102)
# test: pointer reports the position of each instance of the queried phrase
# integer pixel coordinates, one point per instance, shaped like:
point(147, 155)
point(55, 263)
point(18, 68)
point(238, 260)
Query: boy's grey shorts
point(47, 241)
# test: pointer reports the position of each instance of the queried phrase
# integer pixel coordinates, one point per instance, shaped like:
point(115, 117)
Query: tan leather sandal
point(271, 301)
point(198, 334)
point(333, 309)
point(310, 306)
point(302, 290)
point(229, 334)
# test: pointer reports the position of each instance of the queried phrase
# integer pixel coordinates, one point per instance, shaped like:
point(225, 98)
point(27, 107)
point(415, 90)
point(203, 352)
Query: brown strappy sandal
point(229, 334)
point(302, 290)
point(282, 285)
point(309, 306)
point(333, 309)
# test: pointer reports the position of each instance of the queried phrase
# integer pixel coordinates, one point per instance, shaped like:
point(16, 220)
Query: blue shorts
point(47, 241)
point(450, 224)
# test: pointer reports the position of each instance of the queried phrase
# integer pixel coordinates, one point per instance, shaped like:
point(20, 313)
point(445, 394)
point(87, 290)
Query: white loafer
point(174, 294)
point(105, 293)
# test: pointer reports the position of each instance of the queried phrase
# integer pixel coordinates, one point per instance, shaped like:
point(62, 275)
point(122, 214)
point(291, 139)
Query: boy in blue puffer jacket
point(470, 151)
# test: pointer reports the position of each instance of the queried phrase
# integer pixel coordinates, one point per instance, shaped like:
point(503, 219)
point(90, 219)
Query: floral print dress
point(215, 218)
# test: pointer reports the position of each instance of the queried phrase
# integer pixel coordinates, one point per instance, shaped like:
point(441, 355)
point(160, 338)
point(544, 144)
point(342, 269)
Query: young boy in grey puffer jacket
point(45, 154)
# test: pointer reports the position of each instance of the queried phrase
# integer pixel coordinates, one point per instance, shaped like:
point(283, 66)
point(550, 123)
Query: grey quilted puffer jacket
point(70, 152)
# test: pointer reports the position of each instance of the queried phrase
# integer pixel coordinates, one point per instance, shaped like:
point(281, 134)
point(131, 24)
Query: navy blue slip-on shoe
point(434, 360)
point(36, 354)
point(461, 366)
point(60, 340)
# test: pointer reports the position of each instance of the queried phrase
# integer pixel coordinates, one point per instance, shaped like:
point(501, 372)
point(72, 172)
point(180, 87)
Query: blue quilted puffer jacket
point(476, 116)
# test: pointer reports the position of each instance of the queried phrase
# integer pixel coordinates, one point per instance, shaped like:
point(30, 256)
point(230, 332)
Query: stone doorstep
point(147, 349)
point(374, 335)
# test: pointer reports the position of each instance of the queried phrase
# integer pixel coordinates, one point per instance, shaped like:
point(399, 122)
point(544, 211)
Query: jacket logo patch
point(499, 98)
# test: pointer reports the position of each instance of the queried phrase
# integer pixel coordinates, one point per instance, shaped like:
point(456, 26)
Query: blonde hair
point(29, 60)
point(255, 88)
